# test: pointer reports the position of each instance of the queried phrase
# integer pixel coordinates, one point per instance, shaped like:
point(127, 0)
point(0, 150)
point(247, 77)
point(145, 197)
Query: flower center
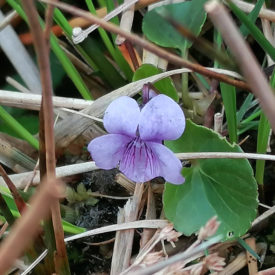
point(138, 158)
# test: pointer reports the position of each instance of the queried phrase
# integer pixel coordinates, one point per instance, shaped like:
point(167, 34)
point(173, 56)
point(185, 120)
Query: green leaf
point(165, 86)
point(222, 187)
point(190, 14)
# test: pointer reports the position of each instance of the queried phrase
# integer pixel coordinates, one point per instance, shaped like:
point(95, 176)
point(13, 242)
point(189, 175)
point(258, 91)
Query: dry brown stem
point(42, 50)
point(238, 263)
point(17, 198)
point(150, 215)
point(263, 216)
point(126, 22)
point(33, 101)
point(124, 239)
point(148, 45)
point(251, 260)
point(243, 55)
point(26, 227)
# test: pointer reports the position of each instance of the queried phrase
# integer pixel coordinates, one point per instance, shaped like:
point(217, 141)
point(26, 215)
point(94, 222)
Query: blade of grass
point(254, 31)
point(253, 16)
point(251, 117)
point(262, 140)
point(229, 101)
point(18, 128)
point(244, 108)
point(249, 125)
point(228, 93)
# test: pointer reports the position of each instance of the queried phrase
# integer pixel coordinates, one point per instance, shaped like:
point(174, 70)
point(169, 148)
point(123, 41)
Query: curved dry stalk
point(121, 226)
point(223, 155)
point(20, 180)
point(46, 133)
point(135, 39)
point(33, 101)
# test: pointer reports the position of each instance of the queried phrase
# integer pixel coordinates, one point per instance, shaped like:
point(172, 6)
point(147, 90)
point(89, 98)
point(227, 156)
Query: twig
point(144, 3)
point(148, 45)
point(96, 194)
point(126, 21)
point(125, 182)
point(48, 24)
point(27, 226)
point(3, 229)
point(16, 196)
point(147, 234)
point(73, 169)
point(79, 35)
point(122, 226)
point(247, 62)
point(20, 180)
point(264, 216)
point(35, 263)
point(81, 114)
point(14, 83)
point(42, 50)
point(33, 101)
point(238, 263)
point(6, 21)
point(221, 155)
point(218, 119)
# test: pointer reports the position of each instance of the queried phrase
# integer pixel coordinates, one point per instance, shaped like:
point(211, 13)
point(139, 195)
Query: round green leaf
point(190, 14)
point(222, 187)
point(165, 86)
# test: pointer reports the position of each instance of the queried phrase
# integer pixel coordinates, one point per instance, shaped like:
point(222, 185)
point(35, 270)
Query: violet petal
point(107, 150)
point(122, 116)
point(139, 162)
point(161, 119)
point(170, 165)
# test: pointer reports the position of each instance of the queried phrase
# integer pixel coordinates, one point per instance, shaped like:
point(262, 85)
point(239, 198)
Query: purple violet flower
point(135, 140)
